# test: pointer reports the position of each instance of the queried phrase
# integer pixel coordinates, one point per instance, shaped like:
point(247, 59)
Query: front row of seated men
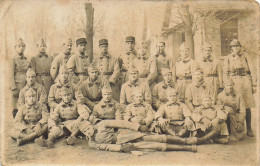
point(115, 127)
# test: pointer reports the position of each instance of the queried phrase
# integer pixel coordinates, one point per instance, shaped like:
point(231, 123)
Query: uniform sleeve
point(123, 100)
point(21, 99)
point(186, 111)
point(160, 113)
point(116, 72)
point(83, 111)
point(155, 98)
point(188, 98)
point(54, 117)
point(172, 67)
point(220, 74)
point(12, 66)
point(150, 115)
point(45, 115)
point(18, 121)
point(128, 114)
point(32, 64)
point(252, 68)
point(153, 71)
point(51, 98)
point(54, 68)
point(118, 113)
point(226, 68)
point(43, 95)
point(221, 114)
point(71, 64)
point(242, 109)
point(147, 94)
point(196, 115)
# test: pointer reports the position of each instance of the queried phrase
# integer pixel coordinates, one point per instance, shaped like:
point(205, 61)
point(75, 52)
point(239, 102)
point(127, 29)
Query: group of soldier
point(134, 102)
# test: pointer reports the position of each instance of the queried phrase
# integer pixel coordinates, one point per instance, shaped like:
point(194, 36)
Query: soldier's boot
point(209, 136)
point(26, 139)
point(170, 131)
point(127, 148)
point(50, 141)
point(72, 138)
point(248, 123)
point(183, 132)
point(221, 140)
point(41, 142)
point(191, 148)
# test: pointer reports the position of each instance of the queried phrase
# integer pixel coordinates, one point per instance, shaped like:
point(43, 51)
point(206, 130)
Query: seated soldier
point(67, 115)
point(233, 103)
point(159, 92)
point(90, 89)
point(126, 95)
point(210, 122)
point(195, 90)
point(55, 96)
point(174, 117)
point(31, 83)
point(139, 111)
point(31, 119)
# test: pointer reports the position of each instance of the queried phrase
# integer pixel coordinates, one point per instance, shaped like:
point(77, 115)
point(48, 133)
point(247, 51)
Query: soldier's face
point(42, 48)
point(197, 76)
point(142, 50)
point(172, 97)
point(160, 47)
point(67, 47)
point(206, 102)
point(207, 52)
point(82, 47)
point(67, 97)
point(31, 79)
point(167, 77)
point(138, 98)
point(185, 53)
point(107, 96)
point(31, 99)
point(133, 76)
point(64, 76)
point(103, 49)
point(236, 49)
point(20, 48)
point(130, 46)
point(93, 74)
point(229, 87)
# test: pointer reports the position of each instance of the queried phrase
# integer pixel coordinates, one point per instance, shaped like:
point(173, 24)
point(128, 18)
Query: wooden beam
point(89, 29)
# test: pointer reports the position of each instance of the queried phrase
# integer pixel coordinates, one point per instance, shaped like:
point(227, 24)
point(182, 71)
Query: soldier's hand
point(143, 128)
point(163, 122)
point(239, 127)
point(38, 129)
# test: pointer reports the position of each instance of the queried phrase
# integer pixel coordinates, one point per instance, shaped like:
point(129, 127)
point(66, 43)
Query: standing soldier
point(90, 89)
point(162, 61)
point(61, 59)
point(19, 66)
point(146, 65)
point(31, 119)
point(79, 62)
point(240, 68)
point(55, 95)
point(126, 95)
point(126, 59)
point(159, 92)
point(212, 71)
point(41, 64)
point(108, 68)
point(184, 69)
point(31, 83)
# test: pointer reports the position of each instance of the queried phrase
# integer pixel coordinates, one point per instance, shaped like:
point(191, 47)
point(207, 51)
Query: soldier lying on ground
point(210, 122)
point(67, 115)
point(31, 119)
point(174, 117)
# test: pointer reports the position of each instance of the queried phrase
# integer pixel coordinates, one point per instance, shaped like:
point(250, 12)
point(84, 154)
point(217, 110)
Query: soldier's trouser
point(212, 133)
point(165, 139)
point(15, 133)
point(119, 124)
point(233, 123)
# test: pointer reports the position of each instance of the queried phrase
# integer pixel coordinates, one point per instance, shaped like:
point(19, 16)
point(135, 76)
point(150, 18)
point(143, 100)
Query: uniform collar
point(42, 54)
point(165, 86)
point(34, 86)
point(91, 83)
point(172, 104)
point(129, 52)
point(184, 60)
point(233, 94)
point(59, 85)
point(142, 57)
point(107, 55)
point(163, 54)
point(82, 55)
point(20, 56)
point(209, 58)
point(109, 104)
point(70, 104)
point(199, 84)
point(34, 106)
point(138, 105)
point(137, 83)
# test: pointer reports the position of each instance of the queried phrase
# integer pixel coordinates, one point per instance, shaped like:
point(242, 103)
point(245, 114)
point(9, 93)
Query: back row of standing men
point(153, 75)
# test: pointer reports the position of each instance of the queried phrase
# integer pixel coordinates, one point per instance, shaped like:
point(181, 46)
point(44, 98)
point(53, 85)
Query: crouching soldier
point(174, 117)
point(233, 103)
point(67, 115)
point(210, 122)
point(31, 119)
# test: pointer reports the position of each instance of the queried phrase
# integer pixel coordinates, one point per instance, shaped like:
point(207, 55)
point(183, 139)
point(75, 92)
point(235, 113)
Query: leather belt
point(211, 75)
point(186, 77)
point(42, 74)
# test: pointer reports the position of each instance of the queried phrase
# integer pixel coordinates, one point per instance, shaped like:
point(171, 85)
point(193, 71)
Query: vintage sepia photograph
point(142, 82)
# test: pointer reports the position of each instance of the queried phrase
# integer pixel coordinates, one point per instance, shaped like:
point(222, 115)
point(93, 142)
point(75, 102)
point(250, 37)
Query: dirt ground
point(235, 153)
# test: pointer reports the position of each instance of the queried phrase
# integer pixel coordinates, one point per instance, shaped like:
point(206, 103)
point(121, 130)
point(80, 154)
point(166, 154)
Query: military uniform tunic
point(241, 70)
point(184, 70)
point(40, 93)
point(19, 67)
point(108, 67)
point(159, 94)
point(212, 71)
point(194, 92)
point(127, 92)
point(78, 65)
point(41, 65)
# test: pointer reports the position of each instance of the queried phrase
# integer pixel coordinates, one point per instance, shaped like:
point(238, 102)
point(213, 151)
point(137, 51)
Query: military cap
point(81, 40)
point(161, 40)
point(228, 81)
point(235, 42)
point(165, 71)
point(30, 72)
point(103, 42)
point(30, 91)
point(63, 68)
point(171, 91)
point(106, 88)
point(183, 46)
point(206, 45)
point(65, 90)
point(132, 69)
point(92, 67)
point(130, 39)
point(19, 42)
point(69, 41)
point(41, 42)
